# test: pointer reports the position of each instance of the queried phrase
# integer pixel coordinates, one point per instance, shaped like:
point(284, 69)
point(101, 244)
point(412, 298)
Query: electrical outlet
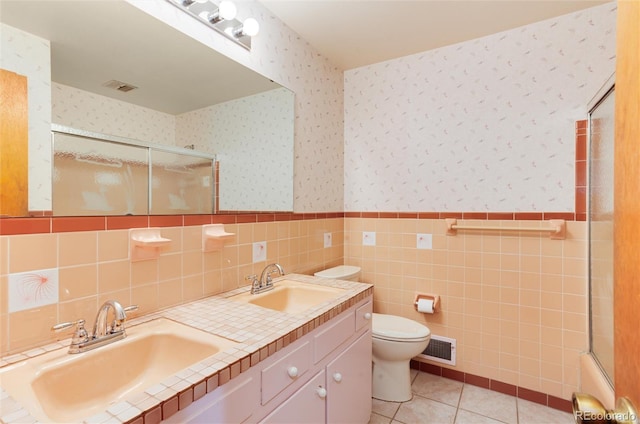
point(369, 238)
point(424, 241)
point(327, 239)
point(259, 251)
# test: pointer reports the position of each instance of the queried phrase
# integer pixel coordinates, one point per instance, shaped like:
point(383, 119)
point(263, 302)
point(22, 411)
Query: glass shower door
point(601, 142)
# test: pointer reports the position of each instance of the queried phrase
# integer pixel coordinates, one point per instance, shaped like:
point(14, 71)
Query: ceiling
point(175, 74)
point(94, 42)
point(354, 33)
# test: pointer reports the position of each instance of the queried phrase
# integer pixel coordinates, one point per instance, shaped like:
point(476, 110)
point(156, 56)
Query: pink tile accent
point(476, 381)
point(560, 404)
point(166, 220)
point(153, 416)
point(532, 396)
point(507, 389)
point(13, 226)
point(185, 398)
point(126, 222)
point(170, 407)
point(199, 390)
point(82, 223)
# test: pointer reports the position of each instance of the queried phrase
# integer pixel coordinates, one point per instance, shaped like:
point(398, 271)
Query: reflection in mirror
point(71, 53)
point(112, 176)
point(103, 178)
point(180, 184)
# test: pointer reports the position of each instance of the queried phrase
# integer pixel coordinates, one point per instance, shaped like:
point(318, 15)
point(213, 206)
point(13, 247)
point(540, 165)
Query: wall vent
point(440, 349)
point(119, 85)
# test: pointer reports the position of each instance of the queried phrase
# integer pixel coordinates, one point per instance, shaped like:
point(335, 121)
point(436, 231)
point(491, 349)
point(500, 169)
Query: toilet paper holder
point(433, 297)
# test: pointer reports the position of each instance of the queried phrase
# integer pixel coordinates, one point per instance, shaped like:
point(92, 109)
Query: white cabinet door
point(306, 406)
point(349, 384)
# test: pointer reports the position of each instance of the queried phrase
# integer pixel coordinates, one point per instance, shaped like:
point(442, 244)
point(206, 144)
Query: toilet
point(342, 272)
point(395, 341)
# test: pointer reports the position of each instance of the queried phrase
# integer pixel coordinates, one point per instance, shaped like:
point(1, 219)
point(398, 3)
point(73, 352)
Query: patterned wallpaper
point(281, 55)
point(485, 125)
point(253, 139)
point(29, 55)
point(82, 110)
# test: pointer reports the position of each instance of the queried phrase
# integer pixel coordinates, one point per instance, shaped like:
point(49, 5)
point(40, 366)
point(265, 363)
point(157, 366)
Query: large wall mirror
point(106, 67)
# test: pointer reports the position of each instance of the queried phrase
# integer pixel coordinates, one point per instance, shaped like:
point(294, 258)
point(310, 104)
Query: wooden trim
point(627, 204)
point(14, 144)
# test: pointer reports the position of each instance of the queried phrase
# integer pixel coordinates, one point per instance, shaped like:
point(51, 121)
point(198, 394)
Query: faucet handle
point(64, 325)
point(131, 308)
point(79, 336)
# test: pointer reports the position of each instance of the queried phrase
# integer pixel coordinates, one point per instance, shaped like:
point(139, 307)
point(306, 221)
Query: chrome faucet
point(265, 282)
point(102, 333)
point(100, 327)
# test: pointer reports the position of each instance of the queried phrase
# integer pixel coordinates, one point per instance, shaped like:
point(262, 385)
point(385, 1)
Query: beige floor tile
point(437, 388)
point(491, 404)
point(425, 411)
point(436, 398)
point(387, 409)
point(466, 417)
point(533, 413)
point(379, 419)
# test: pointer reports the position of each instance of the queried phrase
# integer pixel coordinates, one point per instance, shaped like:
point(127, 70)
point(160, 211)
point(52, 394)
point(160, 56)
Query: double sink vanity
point(300, 352)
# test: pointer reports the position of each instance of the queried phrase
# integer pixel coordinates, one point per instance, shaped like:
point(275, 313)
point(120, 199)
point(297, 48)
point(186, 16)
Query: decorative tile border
point(495, 385)
point(17, 226)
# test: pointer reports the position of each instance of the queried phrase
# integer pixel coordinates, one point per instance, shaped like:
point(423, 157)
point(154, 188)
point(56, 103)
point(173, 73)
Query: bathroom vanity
point(312, 365)
point(323, 377)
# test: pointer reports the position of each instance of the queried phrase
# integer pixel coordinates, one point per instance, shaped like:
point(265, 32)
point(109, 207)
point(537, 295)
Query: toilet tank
point(342, 272)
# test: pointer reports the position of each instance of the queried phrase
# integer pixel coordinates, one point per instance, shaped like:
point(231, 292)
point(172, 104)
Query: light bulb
point(227, 10)
point(250, 27)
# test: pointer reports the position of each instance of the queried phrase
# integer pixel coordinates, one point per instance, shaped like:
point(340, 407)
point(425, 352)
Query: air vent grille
point(441, 349)
point(119, 85)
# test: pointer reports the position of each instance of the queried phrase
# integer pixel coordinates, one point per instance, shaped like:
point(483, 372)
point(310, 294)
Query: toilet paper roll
point(425, 306)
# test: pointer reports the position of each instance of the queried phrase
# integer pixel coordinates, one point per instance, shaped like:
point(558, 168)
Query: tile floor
point(439, 400)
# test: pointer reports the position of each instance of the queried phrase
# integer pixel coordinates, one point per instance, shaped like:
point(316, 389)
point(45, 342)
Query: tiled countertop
point(261, 333)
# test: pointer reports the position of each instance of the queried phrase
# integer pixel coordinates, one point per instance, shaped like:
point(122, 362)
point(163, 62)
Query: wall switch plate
point(424, 241)
point(327, 239)
point(369, 238)
point(259, 251)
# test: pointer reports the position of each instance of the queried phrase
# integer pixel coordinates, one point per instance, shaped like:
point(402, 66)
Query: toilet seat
point(398, 329)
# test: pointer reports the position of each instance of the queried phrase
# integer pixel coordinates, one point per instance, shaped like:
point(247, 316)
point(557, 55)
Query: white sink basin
point(63, 387)
point(291, 296)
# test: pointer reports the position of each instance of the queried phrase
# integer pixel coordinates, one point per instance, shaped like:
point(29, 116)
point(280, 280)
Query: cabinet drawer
point(285, 371)
point(332, 337)
point(306, 406)
point(363, 315)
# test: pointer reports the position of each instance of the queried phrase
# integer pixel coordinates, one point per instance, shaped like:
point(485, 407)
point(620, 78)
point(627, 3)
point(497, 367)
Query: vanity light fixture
point(221, 18)
point(187, 3)
point(226, 11)
point(249, 27)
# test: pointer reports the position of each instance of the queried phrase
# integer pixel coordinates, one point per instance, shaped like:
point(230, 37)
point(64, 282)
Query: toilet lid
point(341, 272)
point(392, 327)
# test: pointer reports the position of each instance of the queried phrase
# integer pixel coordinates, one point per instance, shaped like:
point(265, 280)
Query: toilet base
point(391, 381)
